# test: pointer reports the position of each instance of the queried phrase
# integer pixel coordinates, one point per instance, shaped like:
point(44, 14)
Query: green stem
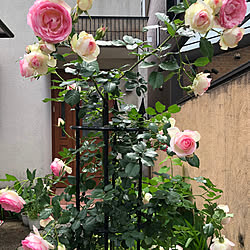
point(53, 225)
point(67, 134)
point(97, 89)
point(146, 56)
point(186, 2)
point(59, 76)
point(216, 31)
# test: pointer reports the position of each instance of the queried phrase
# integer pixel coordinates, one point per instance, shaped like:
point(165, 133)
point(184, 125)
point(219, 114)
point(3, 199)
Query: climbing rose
point(84, 4)
point(231, 37)
point(221, 244)
point(25, 69)
point(35, 242)
point(232, 13)
point(201, 83)
point(50, 20)
point(183, 143)
point(199, 17)
point(11, 201)
point(85, 46)
point(57, 167)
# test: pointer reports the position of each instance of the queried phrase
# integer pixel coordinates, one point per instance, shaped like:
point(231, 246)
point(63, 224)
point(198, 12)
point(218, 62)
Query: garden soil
point(11, 235)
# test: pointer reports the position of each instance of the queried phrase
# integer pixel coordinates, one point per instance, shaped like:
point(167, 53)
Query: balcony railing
point(117, 26)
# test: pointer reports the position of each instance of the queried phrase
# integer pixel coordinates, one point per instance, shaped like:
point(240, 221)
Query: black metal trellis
point(105, 130)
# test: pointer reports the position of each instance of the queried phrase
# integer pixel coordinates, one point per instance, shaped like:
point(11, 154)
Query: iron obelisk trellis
point(105, 130)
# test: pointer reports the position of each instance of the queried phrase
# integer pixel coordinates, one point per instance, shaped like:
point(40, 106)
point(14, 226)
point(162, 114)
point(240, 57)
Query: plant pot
point(34, 222)
point(25, 219)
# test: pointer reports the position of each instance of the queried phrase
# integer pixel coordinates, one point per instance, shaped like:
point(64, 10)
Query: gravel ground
point(11, 235)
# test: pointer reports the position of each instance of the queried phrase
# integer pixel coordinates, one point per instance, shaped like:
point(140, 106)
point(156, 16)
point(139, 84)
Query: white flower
point(201, 83)
point(231, 37)
point(147, 198)
point(221, 244)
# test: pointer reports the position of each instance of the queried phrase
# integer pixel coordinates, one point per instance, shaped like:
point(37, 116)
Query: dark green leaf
point(110, 87)
point(193, 161)
point(76, 225)
point(208, 229)
point(130, 74)
point(90, 184)
point(169, 65)
point(130, 242)
point(156, 79)
point(72, 97)
point(206, 48)
point(64, 218)
point(29, 175)
point(169, 76)
point(177, 9)
point(45, 213)
point(152, 126)
point(132, 169)
point(171, 29)
point(145, 65)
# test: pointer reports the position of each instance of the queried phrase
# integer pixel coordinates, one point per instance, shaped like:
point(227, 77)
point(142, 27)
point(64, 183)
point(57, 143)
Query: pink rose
point(25, 69)
point(50, 20)
point(201, 83)
point(35, 242)
point(231, 37)
point(232, 13)
point(85, 46)
point(11, 201)
point(58, 166)
point(183, 143)
point(222, 243)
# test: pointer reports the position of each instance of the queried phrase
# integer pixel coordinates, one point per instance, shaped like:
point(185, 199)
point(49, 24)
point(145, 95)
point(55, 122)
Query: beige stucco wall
point(222, 118)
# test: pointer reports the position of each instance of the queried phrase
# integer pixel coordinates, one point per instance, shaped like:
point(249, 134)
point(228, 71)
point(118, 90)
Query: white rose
point(199, 17)
point(147, 198)
point(201, 83)
point(231, 37)
point(60, 122)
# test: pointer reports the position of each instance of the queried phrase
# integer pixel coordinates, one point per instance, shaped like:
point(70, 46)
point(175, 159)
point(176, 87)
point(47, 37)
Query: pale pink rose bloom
point(58, 166)
point(183, 143)
point(35, 242)
point(199, 17)
point(61, 247)
point(38, 62)
point(25, 69)
point(85, 46)
point(45, 222)
point(50, 20)
point(231, 37)
point(85, 4)
point(225, 245)
point(201, 83)
point(215, 5)
point(232, 13)
point(47, 48)
point(11, 201)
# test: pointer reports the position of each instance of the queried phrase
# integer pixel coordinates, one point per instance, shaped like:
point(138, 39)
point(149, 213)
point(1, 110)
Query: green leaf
point(156, 79)
point(72, 97)
point(132, 169)
point(118, 43)
point(169, 65)
point(65, 217)
point(202, 61)
point(130, 242)
point(206, 48)
point(152, 126)
point(171, 29)
point(145, 65)
point(90, 184)
point(71, 179)
point(10, 177)
point(129, 39)
point(162, 16)
point(193, 161)
point(169, 76)
point(130, 74)
point(150, 111)
point(188, 242)
point(160, 107)
point(174, 108)
point(45, 213)
point(110, 87)
point(29, 175)
point(177, 9)
point(76, 225)
point(208, 229)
